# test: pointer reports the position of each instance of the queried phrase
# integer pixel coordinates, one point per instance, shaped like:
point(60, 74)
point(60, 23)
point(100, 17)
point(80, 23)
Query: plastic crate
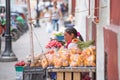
point(19, 68)
point(19, 72)
point(34, 73)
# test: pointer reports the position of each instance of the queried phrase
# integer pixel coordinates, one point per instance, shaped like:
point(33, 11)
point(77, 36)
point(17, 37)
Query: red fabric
point(68, 44)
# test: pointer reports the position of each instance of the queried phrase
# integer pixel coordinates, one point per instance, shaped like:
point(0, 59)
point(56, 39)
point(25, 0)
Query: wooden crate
point(72, 73)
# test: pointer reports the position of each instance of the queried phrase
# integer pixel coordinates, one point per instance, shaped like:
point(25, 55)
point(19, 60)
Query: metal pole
point(38, 14)
point(8, 55)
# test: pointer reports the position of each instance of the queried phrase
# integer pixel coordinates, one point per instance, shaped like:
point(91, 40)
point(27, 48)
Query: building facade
point(102, 24)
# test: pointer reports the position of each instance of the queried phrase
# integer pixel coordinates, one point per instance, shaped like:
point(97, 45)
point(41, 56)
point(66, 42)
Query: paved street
point(22, 48)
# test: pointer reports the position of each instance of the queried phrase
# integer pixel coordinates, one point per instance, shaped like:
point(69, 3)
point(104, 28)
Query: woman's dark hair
point(74, 31)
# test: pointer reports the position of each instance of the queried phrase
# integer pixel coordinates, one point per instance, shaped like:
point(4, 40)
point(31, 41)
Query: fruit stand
point(68, 64)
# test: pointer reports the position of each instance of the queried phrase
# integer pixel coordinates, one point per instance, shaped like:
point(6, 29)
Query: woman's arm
point(50, 15)
point(60, 13)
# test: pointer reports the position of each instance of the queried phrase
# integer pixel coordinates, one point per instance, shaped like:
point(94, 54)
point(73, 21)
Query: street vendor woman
point(70, 34)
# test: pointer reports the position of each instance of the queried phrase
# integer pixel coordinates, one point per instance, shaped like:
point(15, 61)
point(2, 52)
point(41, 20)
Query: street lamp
point(38, 14)
point(8, 55)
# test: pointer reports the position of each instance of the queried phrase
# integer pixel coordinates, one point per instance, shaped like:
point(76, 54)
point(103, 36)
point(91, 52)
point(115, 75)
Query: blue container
point(60, 38)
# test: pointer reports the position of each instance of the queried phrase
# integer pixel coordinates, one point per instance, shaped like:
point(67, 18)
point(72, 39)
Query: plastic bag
point(61, 23)
point(49, 27)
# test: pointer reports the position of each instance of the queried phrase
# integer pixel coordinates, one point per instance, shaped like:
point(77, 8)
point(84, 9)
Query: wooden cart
point(72, 73)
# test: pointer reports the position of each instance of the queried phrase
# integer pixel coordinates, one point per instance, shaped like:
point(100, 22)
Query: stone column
point(81, 11)
point(70, 6)
point(104, 12)
point(100, 53)
point(90, 19)
point(103, 21)
point(92, 6)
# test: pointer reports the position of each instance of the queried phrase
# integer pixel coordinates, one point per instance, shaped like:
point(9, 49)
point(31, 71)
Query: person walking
point(47, 21)
point(39, 8)
point(55, 15)
point(64, 9)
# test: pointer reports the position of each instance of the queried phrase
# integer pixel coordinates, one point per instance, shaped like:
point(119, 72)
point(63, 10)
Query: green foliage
point(82, 45)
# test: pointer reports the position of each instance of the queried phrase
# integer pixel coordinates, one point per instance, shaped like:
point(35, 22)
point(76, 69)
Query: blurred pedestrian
point(3, 23)
point(55, 15)
point(46, 14)
point(70, 21)
point(64, 8)
point(47, 21)
point(39, 8)
point(2, 10)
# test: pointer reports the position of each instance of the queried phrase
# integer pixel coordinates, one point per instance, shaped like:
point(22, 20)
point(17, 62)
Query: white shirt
point(55, 13)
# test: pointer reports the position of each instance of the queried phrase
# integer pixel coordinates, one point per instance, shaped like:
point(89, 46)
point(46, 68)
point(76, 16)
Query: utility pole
point(8, 55)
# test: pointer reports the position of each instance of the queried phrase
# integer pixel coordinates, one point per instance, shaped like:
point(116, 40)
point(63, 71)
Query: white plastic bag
point(71, 45)
point(49, 27)
point(61, 23)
